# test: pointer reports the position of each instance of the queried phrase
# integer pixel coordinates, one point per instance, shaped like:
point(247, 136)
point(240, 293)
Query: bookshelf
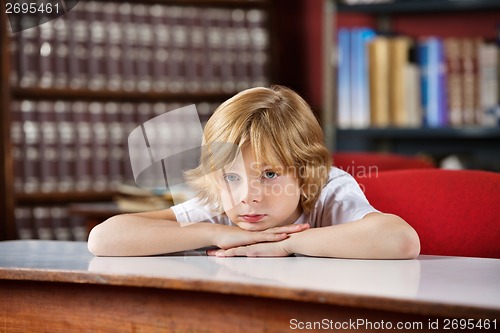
point(476, 142)
point(7, 227)
point(224, 32)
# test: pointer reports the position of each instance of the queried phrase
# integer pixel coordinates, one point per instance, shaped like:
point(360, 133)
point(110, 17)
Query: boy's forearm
point(129, 235)
point(382, 236)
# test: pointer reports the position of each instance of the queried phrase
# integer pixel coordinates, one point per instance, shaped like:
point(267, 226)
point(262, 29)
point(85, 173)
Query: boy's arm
point(376, 236)
point(158, 232)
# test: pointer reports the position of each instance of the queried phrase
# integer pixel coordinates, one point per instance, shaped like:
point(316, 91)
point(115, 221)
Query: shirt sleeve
point(342, 200)
point(193, 211)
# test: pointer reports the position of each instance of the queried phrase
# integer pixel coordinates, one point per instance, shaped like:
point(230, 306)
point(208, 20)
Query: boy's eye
point(270, 174)
point(230, 177)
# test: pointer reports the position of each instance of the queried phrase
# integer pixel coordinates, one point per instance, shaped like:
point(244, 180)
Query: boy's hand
point(233, 237)
point(268, 249)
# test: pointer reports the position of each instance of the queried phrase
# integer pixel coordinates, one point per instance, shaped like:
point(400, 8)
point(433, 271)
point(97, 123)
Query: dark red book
point(113, 47)
point(78, 47)
point(96, 45)
point(48, 146)
point(128, 50)
point(31, 149)
point(66, 128)
point(83, 146)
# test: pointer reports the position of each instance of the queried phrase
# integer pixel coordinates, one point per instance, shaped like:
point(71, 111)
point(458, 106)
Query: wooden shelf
point(448, 132)
point(54, 198)
point(10, 93)
point(478, 146)
point(420, 6)
point(119, 96)
point(211, 3)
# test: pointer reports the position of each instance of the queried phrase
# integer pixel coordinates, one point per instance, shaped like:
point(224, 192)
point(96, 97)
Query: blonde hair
point(282, 131)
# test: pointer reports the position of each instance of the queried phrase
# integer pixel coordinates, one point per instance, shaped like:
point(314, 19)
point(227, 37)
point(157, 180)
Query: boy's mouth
point(252, 218)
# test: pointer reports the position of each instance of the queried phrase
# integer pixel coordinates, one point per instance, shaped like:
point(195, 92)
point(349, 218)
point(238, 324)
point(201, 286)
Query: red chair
point(364, 163)
point(455, 212)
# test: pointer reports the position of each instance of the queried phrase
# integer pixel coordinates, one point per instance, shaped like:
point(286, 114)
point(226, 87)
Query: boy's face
point(257, 197)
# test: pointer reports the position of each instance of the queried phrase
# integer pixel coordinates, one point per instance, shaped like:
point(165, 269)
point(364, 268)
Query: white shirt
point(340, 201)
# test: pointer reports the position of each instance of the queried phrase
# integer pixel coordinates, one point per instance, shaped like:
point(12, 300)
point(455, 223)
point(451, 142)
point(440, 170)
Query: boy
point(275, 194)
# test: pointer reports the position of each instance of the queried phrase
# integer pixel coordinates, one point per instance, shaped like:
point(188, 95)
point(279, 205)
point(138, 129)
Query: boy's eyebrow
point(231, 168)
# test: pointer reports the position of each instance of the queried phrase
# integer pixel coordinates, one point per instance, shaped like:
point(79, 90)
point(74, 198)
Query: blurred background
point(403, 79)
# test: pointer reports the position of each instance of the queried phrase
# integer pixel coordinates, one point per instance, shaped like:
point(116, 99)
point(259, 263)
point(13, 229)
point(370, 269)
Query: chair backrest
point(366, 163)
point(455, 212)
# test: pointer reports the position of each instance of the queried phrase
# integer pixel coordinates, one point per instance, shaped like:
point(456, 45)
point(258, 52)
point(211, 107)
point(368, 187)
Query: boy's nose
point(253, 192)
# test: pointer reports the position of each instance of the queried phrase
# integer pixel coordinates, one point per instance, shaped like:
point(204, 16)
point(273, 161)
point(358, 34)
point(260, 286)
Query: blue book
point(432, 82)
point(443, 110)
point(344, 79)
point(360, 89)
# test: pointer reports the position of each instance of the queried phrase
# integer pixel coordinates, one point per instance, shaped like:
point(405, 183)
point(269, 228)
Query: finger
point(211, 252)
point(269, 237)
point(292, 228)
point(240, 251)
point(226, 253)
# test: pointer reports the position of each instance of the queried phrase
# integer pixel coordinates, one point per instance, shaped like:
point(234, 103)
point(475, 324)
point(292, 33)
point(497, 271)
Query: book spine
point(42, 222)
point(213, 58)
point(95, 18)
point(241, 49)
point(443, 111)
point(83, 146)
point(128, 50)
point(191, 49)
point(18, 144)
point(258, 46)
point(398, 62)
point(478, 112)
point(98, 144)
point(454, 75)
point(113, 40)
point(129, 124)
point(360, 91)
point(488, 82)
point(413, 101)
point(46, 55)
point(59, 217)
point(378, 55)
point(115, 144)
point(78, 227)
point(24, 225)
point(31, 134)
point(343, 79)
point(228, 61)
point(430, 86)
point(49, 153)
point(468, 80)
point(161, 39)
point(78, 48)
point(14, 60)
point(177, 50)
point(496, 112)
point(61, 52)
point(143, 47)
point(66, 146)
point(28, 54)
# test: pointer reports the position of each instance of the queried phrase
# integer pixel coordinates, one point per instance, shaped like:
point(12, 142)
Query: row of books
point(365, 2)
point(49, 223)
point(396, 81)
point(135, 47)
point(61, 146)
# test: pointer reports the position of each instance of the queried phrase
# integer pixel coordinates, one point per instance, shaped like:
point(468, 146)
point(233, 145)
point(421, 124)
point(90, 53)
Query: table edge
point(404, 306)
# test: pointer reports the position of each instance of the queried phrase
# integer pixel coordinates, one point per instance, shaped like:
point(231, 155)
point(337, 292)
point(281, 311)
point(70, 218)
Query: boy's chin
point(252, 226)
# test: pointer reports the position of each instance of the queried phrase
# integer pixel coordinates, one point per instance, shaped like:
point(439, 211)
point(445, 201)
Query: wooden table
point(55, 286)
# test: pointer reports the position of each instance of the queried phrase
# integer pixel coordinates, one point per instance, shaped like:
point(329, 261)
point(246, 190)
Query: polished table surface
point(456, 287)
